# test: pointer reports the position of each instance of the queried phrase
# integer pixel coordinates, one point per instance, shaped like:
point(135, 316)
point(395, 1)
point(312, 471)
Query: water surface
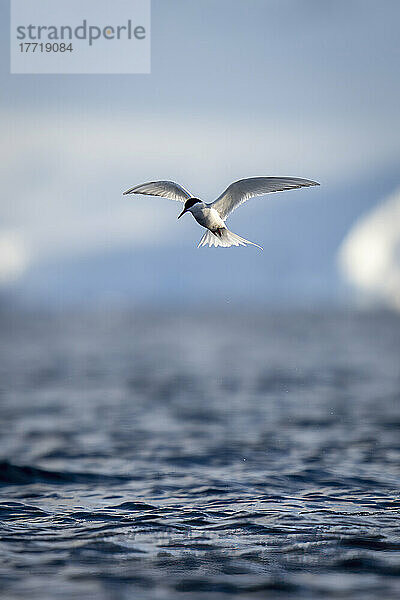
point(210, 456)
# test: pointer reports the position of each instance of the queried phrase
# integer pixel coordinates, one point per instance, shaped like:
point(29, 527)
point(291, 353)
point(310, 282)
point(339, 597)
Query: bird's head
point(188, 205)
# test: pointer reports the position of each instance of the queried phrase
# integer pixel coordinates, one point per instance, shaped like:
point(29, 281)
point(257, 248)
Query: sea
point(198, 455)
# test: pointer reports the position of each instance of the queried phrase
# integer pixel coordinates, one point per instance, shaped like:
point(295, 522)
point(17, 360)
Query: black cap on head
point(190, 202)
point(188, 205)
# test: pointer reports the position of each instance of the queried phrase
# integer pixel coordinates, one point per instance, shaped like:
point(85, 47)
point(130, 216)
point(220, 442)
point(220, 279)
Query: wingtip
point(308, 183)
point(127, 192)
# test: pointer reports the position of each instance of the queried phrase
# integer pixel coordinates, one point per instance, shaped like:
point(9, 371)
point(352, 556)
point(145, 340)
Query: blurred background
point(237, 89)
point(205, 423)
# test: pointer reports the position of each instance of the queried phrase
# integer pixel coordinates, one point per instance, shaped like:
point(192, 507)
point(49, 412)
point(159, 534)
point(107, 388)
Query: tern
point(213, 216)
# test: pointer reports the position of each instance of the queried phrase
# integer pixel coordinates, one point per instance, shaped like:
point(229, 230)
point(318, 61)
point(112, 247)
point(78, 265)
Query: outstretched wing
point(240, 191)
point(166, 189)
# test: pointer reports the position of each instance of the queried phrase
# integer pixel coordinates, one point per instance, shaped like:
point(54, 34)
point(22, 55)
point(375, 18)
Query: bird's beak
point(182, 213)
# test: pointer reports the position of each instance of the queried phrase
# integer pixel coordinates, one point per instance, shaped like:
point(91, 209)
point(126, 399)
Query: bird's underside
point(213, 216)
point(224, 238)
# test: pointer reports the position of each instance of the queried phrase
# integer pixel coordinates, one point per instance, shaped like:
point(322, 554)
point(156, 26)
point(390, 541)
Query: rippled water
point(164, 457)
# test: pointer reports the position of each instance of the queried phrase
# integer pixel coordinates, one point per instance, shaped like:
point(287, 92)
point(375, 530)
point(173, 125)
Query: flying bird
point(213, 216)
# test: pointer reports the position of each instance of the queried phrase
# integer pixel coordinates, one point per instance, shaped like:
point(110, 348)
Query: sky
point(237, 88)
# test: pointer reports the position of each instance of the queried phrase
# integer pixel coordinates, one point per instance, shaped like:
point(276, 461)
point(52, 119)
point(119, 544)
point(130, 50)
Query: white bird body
point(213, 216)
point(206, 216)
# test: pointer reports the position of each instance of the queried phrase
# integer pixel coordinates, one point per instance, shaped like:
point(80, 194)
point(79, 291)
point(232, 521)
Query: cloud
point(13, 257)
point(369, 257)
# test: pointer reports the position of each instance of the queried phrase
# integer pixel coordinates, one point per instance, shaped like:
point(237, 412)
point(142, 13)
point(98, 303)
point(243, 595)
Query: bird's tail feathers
point(225, 239)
